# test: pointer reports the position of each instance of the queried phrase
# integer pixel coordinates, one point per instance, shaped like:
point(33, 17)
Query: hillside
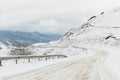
point(16, 38)
point(100, 30)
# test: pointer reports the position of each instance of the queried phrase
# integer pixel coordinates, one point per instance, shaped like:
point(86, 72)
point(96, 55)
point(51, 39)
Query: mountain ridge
point(17, 38)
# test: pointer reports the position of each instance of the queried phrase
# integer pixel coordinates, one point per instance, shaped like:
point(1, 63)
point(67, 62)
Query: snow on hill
point(12, 40)
point(101, 30)
point(109, 19)
point(4, 50)
point(17, 38)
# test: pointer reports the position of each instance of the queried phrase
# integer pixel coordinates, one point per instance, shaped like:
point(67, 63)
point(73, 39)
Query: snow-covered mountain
point(12, 40)
point(17, 38)
point(100, 30)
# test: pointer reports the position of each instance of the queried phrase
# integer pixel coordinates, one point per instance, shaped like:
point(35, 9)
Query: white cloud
point(49, 25)
point(14, 12)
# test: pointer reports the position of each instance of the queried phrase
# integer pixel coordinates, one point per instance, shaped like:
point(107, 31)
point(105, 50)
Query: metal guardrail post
point(0, 62)
point(16, 61)
point(38, 59)
point(28, 59)
point(46, 58)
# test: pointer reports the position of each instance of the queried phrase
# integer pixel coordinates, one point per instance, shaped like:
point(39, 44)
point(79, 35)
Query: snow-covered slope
point(101, 30)
point(4, 50)
point(109, 19)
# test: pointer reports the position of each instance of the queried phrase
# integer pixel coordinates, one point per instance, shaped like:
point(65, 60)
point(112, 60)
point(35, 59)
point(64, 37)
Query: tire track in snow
point(100, 71)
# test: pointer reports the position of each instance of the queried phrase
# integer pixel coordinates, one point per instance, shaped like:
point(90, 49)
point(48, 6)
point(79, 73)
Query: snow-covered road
point(89, 68)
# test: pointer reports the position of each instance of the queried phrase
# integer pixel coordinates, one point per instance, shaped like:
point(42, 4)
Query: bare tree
point(20, 51)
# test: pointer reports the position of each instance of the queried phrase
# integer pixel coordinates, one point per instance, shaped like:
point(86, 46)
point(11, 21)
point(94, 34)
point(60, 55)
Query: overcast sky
point(49, 16)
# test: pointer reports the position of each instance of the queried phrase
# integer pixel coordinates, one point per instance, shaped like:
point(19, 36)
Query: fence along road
point(16, 58)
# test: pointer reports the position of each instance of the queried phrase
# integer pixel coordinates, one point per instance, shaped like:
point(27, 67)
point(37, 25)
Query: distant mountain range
point(17, 38)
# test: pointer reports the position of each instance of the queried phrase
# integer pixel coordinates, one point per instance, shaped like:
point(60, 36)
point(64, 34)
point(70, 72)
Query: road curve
point(92, 68)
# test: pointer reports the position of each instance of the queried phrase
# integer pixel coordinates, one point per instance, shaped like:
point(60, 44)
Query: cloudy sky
point(49, 16)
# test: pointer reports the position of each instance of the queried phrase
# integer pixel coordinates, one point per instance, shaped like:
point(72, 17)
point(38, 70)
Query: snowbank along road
point(88, 68)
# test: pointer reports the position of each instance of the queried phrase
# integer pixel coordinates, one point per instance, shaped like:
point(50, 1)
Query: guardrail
point(16, 58)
